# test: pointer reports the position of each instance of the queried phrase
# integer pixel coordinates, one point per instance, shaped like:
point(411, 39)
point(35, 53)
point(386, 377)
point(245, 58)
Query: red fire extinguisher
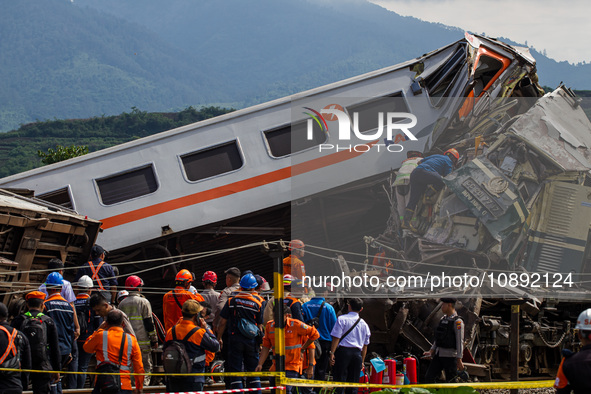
point(376, 378)
point(410, 364)
point(389, 372)
point(363, 379)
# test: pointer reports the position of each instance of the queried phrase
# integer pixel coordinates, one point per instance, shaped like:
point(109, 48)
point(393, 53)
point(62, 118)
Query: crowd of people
point(66, 324)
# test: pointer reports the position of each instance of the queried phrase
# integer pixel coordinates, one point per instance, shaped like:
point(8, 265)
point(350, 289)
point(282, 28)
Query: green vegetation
point(61, 153)
point(19, 148)
point(64, 60)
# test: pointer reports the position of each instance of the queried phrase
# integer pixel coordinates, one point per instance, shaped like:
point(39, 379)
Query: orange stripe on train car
point(232, 188)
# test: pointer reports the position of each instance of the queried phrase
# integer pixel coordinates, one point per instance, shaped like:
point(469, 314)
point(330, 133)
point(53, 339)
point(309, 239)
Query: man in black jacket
point(574, 370)
point(14, 353)
point(44, 344)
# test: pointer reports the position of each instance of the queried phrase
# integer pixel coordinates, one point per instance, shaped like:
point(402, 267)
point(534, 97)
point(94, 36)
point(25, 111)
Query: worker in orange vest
point(298, 347)
point(292, 265)
point(116, 351)
point(173, 300)
point(101, 273)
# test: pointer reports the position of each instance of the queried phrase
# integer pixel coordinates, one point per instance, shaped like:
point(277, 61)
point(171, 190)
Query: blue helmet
point(248, 282)
point(54, 279)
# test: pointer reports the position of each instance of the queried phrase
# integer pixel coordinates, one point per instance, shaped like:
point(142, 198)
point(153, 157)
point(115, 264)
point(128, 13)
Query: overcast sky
point(559, 27)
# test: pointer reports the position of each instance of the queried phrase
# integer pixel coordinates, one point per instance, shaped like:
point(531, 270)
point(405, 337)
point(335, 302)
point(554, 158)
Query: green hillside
point(63, 59)
point(18, 148)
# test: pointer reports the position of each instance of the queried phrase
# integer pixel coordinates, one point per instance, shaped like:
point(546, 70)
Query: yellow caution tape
point(281, 379)
point(276, 374)
point(475, 385)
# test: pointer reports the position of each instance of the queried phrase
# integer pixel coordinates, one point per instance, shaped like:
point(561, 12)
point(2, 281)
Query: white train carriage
point(273, 153)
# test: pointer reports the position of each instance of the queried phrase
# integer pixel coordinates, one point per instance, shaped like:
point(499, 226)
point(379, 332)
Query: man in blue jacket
point(320, 314)
point(63, 314)
point(427, 178)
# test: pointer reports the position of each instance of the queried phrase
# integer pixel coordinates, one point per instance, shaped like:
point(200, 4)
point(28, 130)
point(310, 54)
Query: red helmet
point(296, 244)
point(133, 282)
point(453, 152)
point(209, 276)
point(184, 276)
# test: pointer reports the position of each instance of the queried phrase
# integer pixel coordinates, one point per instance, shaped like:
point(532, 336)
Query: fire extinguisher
point(363, 379)
point(389, 372)
point(375, 378)
point(410, 365)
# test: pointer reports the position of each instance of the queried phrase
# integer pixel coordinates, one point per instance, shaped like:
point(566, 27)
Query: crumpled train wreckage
point(518, 202)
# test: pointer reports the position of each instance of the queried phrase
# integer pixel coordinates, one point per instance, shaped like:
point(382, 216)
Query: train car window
point(368, 112)
point(128, 185)
point(440, 82)
point(291, 139)
point(60, 197)
point(486, 70)
point(212, 161)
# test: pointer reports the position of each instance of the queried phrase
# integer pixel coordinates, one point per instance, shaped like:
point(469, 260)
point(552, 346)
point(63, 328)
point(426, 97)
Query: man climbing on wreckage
point(427, 179)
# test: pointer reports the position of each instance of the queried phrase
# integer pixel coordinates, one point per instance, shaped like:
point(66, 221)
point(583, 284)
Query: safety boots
point(408, 214)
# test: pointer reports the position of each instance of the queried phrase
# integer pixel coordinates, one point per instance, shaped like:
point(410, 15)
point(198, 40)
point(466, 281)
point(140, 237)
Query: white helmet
point(85, 282)
point(122, 294)
point(584, 321)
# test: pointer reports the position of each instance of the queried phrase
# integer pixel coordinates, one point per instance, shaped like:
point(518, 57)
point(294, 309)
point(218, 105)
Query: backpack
point(175, 358)
point(35, 330)
point(315, 322)
point(84, 314)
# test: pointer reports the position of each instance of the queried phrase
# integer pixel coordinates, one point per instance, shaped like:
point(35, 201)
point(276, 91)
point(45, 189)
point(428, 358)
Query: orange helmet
point(296, 244)
point(453, 152)
point(184, 276)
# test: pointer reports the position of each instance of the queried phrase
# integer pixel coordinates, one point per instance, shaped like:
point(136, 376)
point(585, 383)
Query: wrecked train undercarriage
point(515, 215)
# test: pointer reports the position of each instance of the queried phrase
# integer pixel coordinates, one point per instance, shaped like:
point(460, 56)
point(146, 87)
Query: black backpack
point(35, 330)
point(175, 358)
point(85, 318)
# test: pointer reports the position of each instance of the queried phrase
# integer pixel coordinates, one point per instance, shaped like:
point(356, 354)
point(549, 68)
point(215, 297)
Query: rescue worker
point(88, 321)
point(299, 339)
point(350, 337)
point(448, 347)
point(319, 313)
point(291, 301)
point(101, 273)
point(63, 314)
point(292, 265)
point(402, 182)
point(45, 352)
point(14, 354)
point(111, 348)
point(426, 179)
point(232, 287)
point(242, 315)
point(56, 265)
point(193, 332)
point(575, 369)
point(173, 300)
point(139, 311)
point(209, 280)
point(101, 307)
point(121, 295)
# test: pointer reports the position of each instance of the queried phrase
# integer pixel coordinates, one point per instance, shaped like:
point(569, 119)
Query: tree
point(61, 153)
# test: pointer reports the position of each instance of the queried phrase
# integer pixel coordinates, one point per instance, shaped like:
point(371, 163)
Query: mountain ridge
point(87, 58)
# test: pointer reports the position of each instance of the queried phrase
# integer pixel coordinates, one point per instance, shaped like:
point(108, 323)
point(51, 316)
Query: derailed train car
point(164, 195)
point(515, 215)
point(31, 233)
